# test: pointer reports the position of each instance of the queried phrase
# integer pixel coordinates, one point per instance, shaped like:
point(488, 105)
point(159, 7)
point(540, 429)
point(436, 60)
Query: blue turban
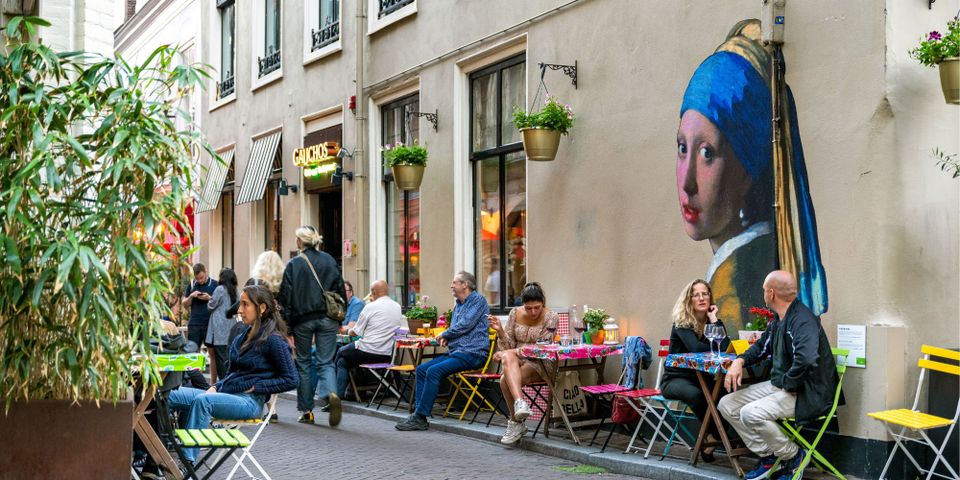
point(729, 92)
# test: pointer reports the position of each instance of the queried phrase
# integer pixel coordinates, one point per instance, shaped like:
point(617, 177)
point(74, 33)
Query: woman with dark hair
point(693, 311)
point(526, 325)
point(218, 333)
point(261, 365)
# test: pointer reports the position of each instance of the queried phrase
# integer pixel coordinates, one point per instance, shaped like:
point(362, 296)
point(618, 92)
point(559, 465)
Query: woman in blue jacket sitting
point(260, 365)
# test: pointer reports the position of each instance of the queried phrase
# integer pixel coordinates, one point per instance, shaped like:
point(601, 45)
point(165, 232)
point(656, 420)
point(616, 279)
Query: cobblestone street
point(365, 447)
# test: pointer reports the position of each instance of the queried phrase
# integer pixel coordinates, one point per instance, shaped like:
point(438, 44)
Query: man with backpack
point(308, 296)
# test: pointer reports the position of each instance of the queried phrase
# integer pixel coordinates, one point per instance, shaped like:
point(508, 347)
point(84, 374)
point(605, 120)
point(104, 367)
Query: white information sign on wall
point(853, 338)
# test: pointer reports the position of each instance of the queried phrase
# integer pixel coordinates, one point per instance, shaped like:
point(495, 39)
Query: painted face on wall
point(711, 181)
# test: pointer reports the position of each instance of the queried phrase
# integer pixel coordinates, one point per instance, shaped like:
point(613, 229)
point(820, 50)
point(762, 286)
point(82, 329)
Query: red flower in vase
point(761, 316)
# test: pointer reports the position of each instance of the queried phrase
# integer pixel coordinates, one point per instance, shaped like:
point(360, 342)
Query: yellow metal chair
point(917, 422)
point(467, 383)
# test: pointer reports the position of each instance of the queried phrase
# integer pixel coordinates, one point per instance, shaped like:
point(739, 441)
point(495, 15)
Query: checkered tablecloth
point(703, 361)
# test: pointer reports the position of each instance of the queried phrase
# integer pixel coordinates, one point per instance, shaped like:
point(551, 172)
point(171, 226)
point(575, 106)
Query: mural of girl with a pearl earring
point(726, 179)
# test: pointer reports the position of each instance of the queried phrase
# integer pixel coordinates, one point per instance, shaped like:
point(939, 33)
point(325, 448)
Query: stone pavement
point(368, 447)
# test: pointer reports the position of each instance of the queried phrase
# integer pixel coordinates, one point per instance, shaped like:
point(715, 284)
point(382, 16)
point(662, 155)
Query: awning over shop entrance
point(265, 149)
point(213, 185)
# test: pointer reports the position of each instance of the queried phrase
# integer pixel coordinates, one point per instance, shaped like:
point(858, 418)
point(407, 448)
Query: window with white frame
point(227, 11)
point(326, 30)
point(499, 180)
point(402, 206)
point(385, 12)
point(270, 60)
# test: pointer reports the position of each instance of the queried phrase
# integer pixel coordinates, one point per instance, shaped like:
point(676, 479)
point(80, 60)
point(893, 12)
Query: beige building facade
point(605, 223)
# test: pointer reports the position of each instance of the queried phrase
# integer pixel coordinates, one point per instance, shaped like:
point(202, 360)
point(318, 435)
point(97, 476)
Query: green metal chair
point(790, 428)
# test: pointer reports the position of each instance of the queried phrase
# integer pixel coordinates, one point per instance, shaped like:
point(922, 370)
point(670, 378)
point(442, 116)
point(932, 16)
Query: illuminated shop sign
point(320, 170)
point(316, 155)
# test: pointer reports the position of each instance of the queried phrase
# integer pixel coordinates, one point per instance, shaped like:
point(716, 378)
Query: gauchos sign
point(316, 154)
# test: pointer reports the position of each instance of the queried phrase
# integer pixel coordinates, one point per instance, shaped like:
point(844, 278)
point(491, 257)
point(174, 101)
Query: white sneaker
point(521, 410)
point(515, 430)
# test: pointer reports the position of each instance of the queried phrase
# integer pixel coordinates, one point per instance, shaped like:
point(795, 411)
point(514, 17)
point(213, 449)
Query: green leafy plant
point(400, 154)
point(593, 319)
point(422, 311)
point(947, 162)
point(939, 46)
point(94, 174)
point(553, 116)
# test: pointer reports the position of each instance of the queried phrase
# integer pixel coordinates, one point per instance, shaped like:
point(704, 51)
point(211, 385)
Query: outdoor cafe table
point(155, 447)
point(712, 364)
point(597, 354)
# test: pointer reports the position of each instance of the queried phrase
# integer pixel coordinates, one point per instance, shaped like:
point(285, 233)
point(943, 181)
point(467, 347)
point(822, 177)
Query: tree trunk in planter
point(540, 144)
point(57, 439)
point(950, 79)
point(408, 177)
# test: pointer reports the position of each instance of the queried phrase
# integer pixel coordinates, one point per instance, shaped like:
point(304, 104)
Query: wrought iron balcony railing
point(389, 6)
point(326, 35)
point(226, 87)
point(269, 63)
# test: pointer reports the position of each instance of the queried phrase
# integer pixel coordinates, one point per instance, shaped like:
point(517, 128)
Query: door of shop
point(324, 195)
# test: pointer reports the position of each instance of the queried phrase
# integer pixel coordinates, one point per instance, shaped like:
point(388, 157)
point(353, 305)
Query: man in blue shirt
point(195, 298)
point(354, 306)
point(468, 344)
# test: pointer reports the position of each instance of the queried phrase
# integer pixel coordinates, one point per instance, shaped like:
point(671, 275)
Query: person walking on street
point(802, 381)
point(196, 297)
point(225, 298)
point(467, 341)
point(305, 310)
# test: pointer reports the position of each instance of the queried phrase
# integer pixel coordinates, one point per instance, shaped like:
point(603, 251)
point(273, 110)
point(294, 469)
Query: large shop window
point(228, 24)
point(403, 207)
point(499, 179)
point(271, 46)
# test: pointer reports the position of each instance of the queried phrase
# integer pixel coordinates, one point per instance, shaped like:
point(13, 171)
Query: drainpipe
point(361, 190)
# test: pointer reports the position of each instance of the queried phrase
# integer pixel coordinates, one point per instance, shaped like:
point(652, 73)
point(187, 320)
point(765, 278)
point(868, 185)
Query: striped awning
point(258, 168)
point(216, 176)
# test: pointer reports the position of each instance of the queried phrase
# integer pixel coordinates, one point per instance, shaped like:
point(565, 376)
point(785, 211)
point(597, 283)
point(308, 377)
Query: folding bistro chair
point(260, 423)
point(380, 372)
point(792, 430)
point(654, 410)
point(918, 422)
point(468, 383)
point(603, 394)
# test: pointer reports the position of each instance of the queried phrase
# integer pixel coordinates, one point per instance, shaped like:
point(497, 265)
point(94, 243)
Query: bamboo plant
point(94, 172)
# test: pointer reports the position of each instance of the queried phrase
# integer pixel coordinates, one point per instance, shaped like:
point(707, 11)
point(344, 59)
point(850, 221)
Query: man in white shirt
point(376, 326)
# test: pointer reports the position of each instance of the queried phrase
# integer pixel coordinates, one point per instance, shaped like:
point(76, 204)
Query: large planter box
point(55, 439)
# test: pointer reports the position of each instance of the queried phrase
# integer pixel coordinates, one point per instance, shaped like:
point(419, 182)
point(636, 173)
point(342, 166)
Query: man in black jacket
point(305, 311)
point(802, 382)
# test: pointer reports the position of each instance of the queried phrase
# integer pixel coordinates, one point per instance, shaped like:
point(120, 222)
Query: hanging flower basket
point(950, 79)
point(408, 177)
point(540, 144)
point(943, 50)
point(541, 130)
point(407, 163)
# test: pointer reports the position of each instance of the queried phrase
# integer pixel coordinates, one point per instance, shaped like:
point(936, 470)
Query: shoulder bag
point(336, 309)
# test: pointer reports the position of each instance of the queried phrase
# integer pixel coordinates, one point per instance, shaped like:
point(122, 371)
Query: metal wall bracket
point(431, 117)
point(568, 70)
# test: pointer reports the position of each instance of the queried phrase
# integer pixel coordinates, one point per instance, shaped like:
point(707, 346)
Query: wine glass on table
point(713, 332)
point(577, 325)
point(553, 333)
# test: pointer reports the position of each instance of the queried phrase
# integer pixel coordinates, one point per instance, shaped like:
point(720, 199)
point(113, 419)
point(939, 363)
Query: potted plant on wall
point(87, 197)
point(541, 130)
point(943, 50)
point(407, 163)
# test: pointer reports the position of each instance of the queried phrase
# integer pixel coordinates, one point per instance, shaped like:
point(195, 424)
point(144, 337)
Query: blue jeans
point(202, 406)
point(430, 374)
point(322, 333)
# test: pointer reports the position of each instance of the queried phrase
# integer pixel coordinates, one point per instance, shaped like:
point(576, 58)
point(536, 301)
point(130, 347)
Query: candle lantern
point(611, 332)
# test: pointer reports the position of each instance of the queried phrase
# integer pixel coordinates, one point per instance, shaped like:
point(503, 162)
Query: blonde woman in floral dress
point(527, 324)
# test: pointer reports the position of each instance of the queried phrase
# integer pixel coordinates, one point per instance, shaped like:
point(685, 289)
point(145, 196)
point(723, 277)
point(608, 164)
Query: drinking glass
point(710, 332)
point(577, 325)
point(719, 334)
point(553, 332)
